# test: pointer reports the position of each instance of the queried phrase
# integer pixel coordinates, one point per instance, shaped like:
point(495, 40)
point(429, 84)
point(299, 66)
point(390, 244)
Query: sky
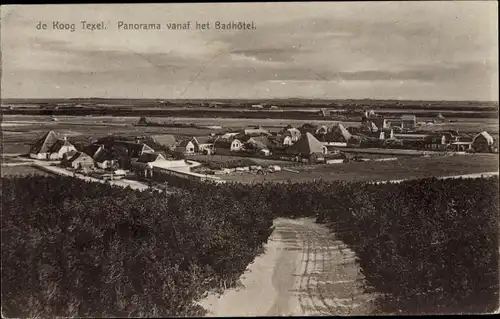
point(354, 50)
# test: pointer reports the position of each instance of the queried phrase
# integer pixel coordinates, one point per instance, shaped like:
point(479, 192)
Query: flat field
point(403, 168)
point(21, 130)
point(221, 159)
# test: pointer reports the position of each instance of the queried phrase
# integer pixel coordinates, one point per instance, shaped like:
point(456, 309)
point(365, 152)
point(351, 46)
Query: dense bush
point(430, 246)
point(71, 248)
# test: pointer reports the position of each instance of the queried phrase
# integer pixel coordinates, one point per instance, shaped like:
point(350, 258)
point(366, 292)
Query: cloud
point(318, 49)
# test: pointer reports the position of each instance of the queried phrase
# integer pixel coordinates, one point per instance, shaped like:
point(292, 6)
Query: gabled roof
point(134, 149)
point(184, 143)
point(204, 139)
point(293, 131)
point(307, 144)
point(164, 139)
point(92, 149)
point(485, 135)
point(151, 157)
point(222, 143)
point(43, 144)
point(339, 129)
point(260, 142)
point(57, 146)
point(80, 156)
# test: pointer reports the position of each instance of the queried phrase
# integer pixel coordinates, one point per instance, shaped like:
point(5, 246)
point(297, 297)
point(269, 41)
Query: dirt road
point(305, 271)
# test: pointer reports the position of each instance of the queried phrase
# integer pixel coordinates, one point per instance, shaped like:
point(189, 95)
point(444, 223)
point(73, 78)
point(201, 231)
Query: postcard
point(250, 159)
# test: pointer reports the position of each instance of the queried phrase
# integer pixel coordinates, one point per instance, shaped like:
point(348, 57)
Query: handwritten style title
point(124, 25)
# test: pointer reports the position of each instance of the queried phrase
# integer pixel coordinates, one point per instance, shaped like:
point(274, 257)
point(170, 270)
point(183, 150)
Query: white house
point(202, 144)
point(288, 140)
point(186, 147)
point(51, 147)
point(234, 145)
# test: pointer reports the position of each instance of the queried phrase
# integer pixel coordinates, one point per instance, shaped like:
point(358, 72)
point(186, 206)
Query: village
point(232, 154)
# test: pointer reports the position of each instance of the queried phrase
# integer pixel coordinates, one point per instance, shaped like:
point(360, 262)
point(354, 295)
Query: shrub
point(82, 249)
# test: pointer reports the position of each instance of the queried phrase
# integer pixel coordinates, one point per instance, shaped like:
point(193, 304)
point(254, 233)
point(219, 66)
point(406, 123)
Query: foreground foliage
point(76, 249)
point(71, 248)
point(429, 246)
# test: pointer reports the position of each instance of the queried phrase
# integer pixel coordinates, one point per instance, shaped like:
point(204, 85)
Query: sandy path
point(305, 271)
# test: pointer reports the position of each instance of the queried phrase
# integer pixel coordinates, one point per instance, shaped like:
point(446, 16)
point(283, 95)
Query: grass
point(221, 159)
point(403, 168)
point(21, 171)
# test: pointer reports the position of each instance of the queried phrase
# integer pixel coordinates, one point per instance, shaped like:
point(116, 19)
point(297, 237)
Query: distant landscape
point(233, 108)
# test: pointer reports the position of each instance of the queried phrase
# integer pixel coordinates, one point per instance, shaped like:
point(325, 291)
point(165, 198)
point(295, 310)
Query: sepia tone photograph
point(249, 159)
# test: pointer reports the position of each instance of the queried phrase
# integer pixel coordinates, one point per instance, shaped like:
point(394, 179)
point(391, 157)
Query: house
point(50, 146)
point(325, 113)
point(93, 149)
point(369, 126)
point(166, 140)
point(436, 142)
point(439, 118)
point(286, 139)
point(294, 133)
point(483, 142)
point(260, 142)
point(103, 157)
point(394, 123)
point(265, 152)
point(59, 148)
point(80, 160)
point(409, 121)
point(306, 146)
point(380, 123)
point(460, 146)
point(308, 128)
point(142, 121)
point(134, 150)
point(203, 144)
point(337, 133)
point(229, 135)
point(322, 130)
point(186, 147)
point(369, 115)
point(234, 145)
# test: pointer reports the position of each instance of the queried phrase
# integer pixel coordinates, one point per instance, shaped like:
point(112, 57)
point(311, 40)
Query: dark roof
point(261, 142)
point(184, 143)
point(92, 149)
point(222, 144)
point(150, 157)
point(80, 156)
point(44, 143)
point(134, 149)
point(307, 144)
point(204, 139)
